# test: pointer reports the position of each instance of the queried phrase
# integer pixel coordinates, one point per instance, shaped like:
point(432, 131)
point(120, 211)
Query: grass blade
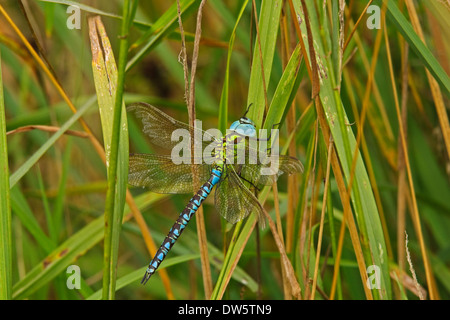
point(19, 173)
point(109, 83)
point(279, 104)
point(59, 258)
point(362, 197)
point(163, 26)
point(67, 252)
point(405, 28)
point(5, 207)
point(136, 275)
point(269, 20)
point(23, 211)
point(223, 108)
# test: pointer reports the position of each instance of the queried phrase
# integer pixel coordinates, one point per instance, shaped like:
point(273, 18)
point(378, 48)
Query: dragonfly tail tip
point(145, 278)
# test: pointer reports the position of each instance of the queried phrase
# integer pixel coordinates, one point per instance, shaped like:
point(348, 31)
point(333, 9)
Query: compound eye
point(234, 125)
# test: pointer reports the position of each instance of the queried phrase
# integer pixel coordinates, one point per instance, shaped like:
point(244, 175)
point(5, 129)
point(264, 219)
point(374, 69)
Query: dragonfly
point(232, 198)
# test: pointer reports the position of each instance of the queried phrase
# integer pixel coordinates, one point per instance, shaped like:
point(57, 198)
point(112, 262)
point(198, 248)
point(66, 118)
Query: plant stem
point(111, 220)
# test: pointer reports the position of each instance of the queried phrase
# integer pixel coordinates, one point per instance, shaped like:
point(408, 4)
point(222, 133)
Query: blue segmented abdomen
point(181, 222)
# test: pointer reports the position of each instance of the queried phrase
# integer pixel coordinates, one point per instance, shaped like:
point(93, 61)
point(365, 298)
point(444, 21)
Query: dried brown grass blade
point(190, 101)
point(415, 211)
point(288, 269)
point(348, 216)
point(435, 90)
point(322, 218)
point(47, 129)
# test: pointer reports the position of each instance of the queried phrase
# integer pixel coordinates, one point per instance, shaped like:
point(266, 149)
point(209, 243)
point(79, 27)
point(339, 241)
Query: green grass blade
point(93, 10)
point(45, 204)
point(5, 207)
point(403, 26)
point(223, 108)
point(215, 258)
point(49, 10)
point(23, 211)
point(362, 197)
point(109, 84)
point(67, 252)
point(60, 199)
point(283, 93)
point(269, 19)
point(59, 259)
point(136, 275)
point(279, 104)
point(19, 173)
point(162, 27)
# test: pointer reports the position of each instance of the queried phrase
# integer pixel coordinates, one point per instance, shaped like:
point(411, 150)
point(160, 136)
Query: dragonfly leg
point(270, 134)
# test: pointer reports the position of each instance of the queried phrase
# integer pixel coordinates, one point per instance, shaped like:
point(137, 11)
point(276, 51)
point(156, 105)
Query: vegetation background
point(364, 109)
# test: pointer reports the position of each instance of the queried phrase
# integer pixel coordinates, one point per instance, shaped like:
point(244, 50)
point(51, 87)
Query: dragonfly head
point(244, 126)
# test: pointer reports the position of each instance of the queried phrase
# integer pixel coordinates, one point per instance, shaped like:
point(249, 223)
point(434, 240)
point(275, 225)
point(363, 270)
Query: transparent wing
point(234, 200)
point(159, 174)
point(159, 126)
point(266, 174)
